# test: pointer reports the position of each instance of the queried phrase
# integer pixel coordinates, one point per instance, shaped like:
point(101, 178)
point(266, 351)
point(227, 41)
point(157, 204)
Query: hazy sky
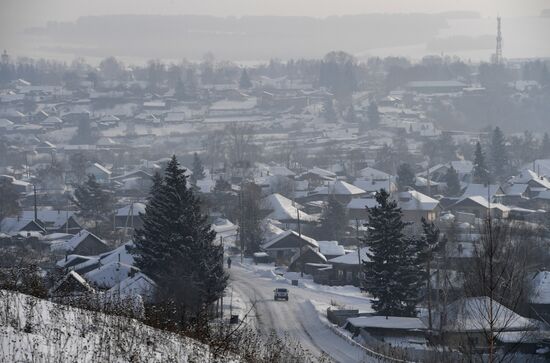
point(19, 13)
point(16, 15)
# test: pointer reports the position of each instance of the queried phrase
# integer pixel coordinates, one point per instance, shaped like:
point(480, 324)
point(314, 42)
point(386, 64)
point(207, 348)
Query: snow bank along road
point(296, 318)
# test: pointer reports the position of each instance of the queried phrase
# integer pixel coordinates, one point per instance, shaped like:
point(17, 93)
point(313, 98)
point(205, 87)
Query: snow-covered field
point(35, 330)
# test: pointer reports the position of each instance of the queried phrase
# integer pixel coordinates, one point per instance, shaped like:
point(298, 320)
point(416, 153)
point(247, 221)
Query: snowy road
point(297, 318)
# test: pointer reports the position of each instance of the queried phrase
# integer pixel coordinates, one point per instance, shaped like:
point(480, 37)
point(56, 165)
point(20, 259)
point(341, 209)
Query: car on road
point(280, 294)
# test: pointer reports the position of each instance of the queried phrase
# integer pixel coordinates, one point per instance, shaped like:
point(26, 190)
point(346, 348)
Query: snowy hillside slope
point(36, 330)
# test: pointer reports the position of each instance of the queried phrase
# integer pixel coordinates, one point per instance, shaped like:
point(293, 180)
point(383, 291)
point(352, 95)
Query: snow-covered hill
point(36, 330)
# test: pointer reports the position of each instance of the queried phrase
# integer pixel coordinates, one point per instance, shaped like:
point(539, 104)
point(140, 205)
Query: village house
point(102, 175)
point(284, 246)
point(82, 243)
point(54, 221)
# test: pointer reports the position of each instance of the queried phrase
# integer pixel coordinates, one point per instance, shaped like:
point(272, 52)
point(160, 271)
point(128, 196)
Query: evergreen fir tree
point(498, 154)
point(452, 181)
point(373, 114)
point(179, 90)
point(9, 199)
point(244, 82)
point(176, 247)
point(405, 176)
point(198, 169)
point(329, 114)
point(545, 147)
point(250, 218)
point(333, 219)
point(94, 202)
point(480, 172)
point(350, 115)
point(391, 273)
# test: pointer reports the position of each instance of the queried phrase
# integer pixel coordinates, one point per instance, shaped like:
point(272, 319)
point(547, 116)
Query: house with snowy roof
point(357, 208)
point(346, 269)
point(129, 216)
point(72, 284)
point(370, 173)
point(468, 322)
point(340, 190)
point(480, 207)
point(415, 206)
point(492, 191)
point(317, 176)
point(282, 209)
point(82, 243)
point(305, 255)
point(16, 226)
point(371, 186)
point(136, 284)
point(283, 246)
point(395, 331)
point(539, 294)
point(101, 173)
point(55, 221)
point(83, 264)
point(331, 249)
point(108, 275)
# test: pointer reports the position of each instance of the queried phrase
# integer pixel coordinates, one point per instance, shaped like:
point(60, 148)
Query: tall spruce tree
point(498, 154)
point(452, 181)
point(480, 171)
point(329, 114)
point(198, 169)
point(545, 147)
point(94, 202)
point(244, 82)
point(405, 176)
point(176, 247)
point(373, 114)
point(333, 219)
point(392, 271)
point(250, 218)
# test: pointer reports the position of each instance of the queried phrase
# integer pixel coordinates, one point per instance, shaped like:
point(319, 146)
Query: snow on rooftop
point(284, 209)
point(107, 276)
point(340, 187)
point(352, 258)
point(481, 190)
point(540, 288)
point(331, 248)
point(280, 236)
point(57, 218)
point(472, 314)
point(13, 225)
point(413, 200)
point(390, 322)
point(362, 203)
point(230, 105)
point(73, 242)
point(138, 284)
point(373, 185)
point(374, 174)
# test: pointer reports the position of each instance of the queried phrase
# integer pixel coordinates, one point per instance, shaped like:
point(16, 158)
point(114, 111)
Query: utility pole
point(358, 241)
point(300, 244)
point(35, 208)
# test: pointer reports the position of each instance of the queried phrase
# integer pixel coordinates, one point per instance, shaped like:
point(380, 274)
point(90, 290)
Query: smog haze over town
point(275, 181)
